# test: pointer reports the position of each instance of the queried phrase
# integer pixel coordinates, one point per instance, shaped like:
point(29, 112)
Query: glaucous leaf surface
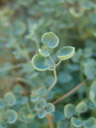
point(43, 53)
point(76, 122)
point(69, 110)
point(50, 39)
point(90, 123)
point(39, 64)
point(9, 99)
point(11, 116)
point(81, 107)
point(66, 52)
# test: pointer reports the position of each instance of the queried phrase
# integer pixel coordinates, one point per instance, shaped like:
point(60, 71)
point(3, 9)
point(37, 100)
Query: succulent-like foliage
point(47, 64)
point(50, 39)
point(81, 108)
point(66, 53)
point(69, 110)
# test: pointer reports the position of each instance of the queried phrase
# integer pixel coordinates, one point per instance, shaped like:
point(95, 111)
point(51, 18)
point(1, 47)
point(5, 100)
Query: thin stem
point(70, 92)
point(50, 121)
point(58, 63)
point(55, 74)
point(55, 80)
point(52, 61)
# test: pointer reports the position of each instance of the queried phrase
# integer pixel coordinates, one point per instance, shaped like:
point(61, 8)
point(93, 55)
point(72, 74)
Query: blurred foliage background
point(22, 23)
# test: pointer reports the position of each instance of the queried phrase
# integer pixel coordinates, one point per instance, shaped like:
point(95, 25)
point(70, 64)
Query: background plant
point(22, 24)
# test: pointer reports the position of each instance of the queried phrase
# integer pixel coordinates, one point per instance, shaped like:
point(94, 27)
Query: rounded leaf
point(76, 122)
point(81, 108)
point(3, 124)
point(40, 105)
point(50, 108)
point(11, 116)
point(39, 63)
point(10, 99)
point(66, 53)
point(42, 114)
point(90, 123)
point(69, 110)
point(25, 114)
point(43, 53)
point(50, 39)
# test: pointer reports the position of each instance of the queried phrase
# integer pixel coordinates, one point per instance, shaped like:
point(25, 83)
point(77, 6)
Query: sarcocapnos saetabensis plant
point(44, 61)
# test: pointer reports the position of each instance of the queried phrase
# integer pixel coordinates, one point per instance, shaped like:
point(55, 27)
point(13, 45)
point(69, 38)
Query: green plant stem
point(70, 92)
point(55, 76)
point(58, 63)
point(55, 80)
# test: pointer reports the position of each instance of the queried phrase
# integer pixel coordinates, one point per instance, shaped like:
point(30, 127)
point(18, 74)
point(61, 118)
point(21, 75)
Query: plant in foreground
point(44, 61)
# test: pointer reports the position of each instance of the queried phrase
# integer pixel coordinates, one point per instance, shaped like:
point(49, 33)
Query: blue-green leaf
point(90, 123)
point(39, 64)
point(76, 122)
point(81, 108)
point(42, 114)
point(40, 105)
point(11, 116)
point(50, 108)
point(50, 39)
point(69, 110)
point(66, 53)
point(10, 99)
point(43, 53)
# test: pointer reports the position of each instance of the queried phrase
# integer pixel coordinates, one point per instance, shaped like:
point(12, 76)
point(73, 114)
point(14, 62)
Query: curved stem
point(55, 74)
point(70, 92)
point(55, 80)
point(50, 121)
point(58, 63)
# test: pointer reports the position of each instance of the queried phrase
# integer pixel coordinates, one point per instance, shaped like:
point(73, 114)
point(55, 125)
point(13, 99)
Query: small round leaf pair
point(66, 53)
